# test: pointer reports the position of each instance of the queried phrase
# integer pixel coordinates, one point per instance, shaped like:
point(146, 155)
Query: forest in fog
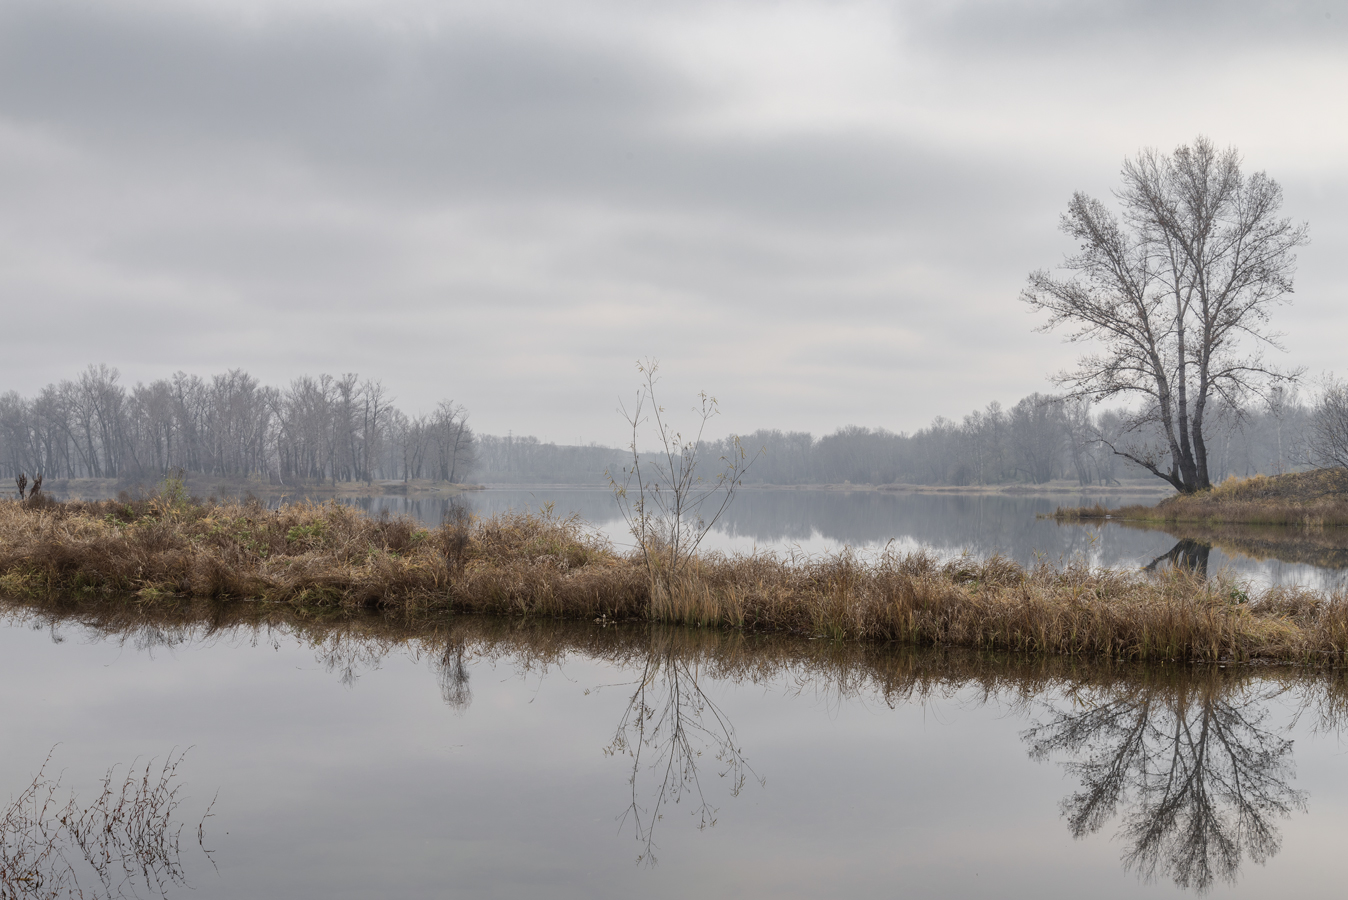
point(1039, 439)
point(316, 429)
point(347, 429)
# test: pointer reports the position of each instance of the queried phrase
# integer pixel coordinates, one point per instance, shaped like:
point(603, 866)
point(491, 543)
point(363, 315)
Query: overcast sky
point(822, 213)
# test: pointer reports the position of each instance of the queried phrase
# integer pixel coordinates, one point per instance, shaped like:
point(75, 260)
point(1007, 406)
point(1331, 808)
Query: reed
point(330, 561)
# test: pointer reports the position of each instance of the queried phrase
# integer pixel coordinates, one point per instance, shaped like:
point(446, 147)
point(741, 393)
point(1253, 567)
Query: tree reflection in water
point(668, 725)
point(1199, 780)
point(1187, 554)
point(451, 667)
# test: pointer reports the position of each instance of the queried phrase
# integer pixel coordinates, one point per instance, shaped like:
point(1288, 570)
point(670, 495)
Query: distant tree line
point(1038, 439)
point(316, 429)
point(347, 429)
point(527, 460)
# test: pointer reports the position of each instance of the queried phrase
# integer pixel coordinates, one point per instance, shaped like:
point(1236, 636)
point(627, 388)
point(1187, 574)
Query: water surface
point(479, 758)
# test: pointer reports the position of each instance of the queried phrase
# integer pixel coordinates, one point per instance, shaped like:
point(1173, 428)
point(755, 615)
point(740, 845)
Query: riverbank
point(1316, 499)
point(329, 559)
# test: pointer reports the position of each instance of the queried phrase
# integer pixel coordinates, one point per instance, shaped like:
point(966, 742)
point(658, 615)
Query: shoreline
point(1315, 499)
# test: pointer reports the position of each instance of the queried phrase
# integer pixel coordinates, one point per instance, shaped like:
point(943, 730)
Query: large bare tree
point(1176, 290)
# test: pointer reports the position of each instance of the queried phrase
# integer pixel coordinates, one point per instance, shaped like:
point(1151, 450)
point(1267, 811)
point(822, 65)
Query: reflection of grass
point(348, 645)
point(1121, 729)
point(330, 559)
point(1315, 499)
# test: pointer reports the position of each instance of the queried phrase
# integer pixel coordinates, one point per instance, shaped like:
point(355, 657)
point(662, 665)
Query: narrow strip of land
point(332, 559)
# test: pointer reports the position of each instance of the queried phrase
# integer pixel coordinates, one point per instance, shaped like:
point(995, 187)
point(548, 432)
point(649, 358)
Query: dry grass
point(1315, 499)
point(317, 555)
point(329, 560)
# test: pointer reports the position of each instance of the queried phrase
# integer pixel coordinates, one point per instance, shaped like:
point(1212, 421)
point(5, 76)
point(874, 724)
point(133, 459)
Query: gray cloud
point(462, 115)
point(508, 211)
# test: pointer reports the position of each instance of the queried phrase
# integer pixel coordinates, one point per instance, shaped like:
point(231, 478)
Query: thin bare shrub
point(667, 503)
point(128, 839)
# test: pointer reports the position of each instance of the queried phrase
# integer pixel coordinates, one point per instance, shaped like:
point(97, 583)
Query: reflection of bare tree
point(668, 725)
point(1324, 548)
point(452, 668)
point(348, 657)
point(1189, 555)
point(1200, 781)
point(126, 840)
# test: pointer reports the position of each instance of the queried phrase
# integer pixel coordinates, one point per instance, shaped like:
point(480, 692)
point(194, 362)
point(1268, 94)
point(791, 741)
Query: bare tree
point(1328, 438)
point(452, 440)
point(1038, 435)
point(1177, 290)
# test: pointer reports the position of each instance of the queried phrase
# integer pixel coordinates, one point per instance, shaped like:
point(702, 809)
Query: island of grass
point(1315, 499)
point(326, 560)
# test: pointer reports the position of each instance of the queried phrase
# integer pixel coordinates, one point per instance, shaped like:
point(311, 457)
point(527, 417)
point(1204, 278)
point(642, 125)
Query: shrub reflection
point(125, 842)
point(668, 725)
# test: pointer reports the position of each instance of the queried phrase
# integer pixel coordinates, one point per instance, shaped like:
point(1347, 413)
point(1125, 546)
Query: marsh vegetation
point(331, 559)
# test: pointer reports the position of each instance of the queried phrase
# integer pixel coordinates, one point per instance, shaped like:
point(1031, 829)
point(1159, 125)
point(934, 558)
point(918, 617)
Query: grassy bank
point(1316, 499)
point(327, 560)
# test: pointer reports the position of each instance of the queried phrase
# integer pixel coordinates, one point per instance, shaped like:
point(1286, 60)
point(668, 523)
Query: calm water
point(492, 760)
point(948, 524)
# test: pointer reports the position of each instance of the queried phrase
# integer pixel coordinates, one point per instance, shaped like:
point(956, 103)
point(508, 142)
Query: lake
point(481, 758)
